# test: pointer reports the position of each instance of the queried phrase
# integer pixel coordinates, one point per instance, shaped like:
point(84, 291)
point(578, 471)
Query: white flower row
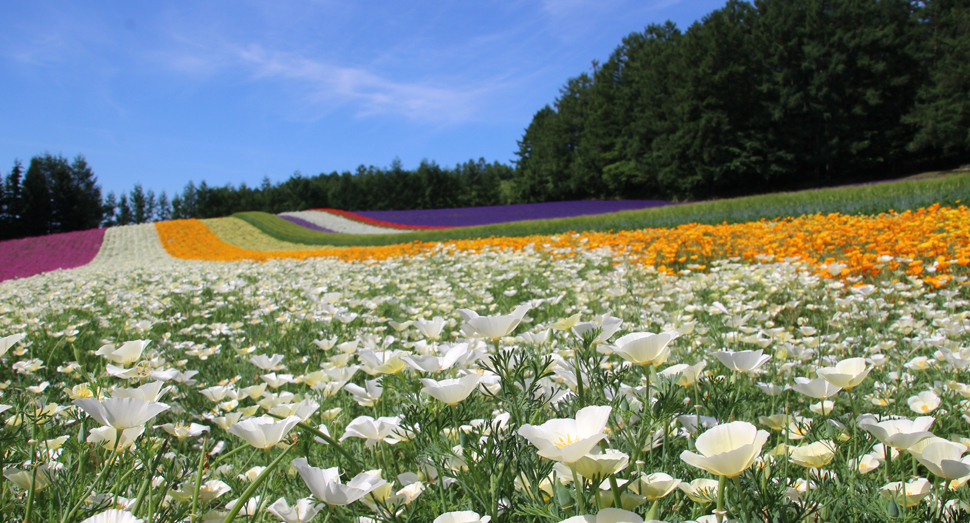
point(131, 246)
point(340, 224)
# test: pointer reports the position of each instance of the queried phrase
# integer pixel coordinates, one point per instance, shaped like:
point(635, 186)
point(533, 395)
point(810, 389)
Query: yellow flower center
point(566, 440)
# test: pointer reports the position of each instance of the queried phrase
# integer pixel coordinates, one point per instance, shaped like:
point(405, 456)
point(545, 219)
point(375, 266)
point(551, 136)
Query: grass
point(911, 193)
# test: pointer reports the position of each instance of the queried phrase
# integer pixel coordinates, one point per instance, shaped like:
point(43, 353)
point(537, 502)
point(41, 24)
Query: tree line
point(429, 186)
point(53, 195)
point(755, 97)
point(762, 96)
point(59, 196)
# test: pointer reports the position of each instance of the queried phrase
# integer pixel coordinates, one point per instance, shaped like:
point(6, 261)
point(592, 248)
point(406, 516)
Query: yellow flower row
point(924, 242)
point(241, 234)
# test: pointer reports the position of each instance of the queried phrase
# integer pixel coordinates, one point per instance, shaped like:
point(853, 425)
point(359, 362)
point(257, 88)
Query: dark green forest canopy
point(758, 97)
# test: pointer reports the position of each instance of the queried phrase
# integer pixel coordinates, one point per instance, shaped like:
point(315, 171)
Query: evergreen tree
point(125, 216)
point(38, 214)
point(178, 209)
point(89, 213)
point(941, 113)
point(633, 113)
point(164, 209)
point(150, 206)
point(542, 158)
point(13, 202)
point(64, 195)
point(190, 202)
point(842, 79)
point(139, 204)
point(109, 209)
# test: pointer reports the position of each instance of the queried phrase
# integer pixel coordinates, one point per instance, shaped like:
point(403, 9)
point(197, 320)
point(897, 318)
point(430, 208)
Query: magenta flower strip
point(30, 256)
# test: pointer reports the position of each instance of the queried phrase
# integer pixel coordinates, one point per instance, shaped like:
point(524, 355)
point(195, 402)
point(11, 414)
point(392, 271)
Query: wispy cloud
point(331, 85)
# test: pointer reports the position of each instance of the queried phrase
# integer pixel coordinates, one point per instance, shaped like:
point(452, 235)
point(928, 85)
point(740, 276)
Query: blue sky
point(160, 93)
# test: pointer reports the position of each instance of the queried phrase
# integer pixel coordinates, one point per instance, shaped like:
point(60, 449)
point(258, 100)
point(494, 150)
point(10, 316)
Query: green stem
point(120, 482)
point(720, 498)
point(647, 407)
point(744, 499)
point(887, 452)
point(580, 392)
point(580, 495)
point(615, 489)
point(251, 489)
point(229, 454)
point(30, 494)
point(943, 497)
point(104, 473)
point(198, 483)
point(697, 409)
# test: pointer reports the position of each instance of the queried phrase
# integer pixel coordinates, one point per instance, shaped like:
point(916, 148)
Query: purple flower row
point(303, 223)
point(468, 216)
point(29, 256)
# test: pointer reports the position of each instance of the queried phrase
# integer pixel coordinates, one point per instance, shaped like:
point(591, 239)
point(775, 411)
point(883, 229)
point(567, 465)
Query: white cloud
point(332, 85)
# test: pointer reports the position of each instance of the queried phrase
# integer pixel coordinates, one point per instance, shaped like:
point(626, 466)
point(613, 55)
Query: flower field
point(343, 222)
point(240, 234)
point(470, 216)
point(803, 369)
point(303, 223)
point(29, 256)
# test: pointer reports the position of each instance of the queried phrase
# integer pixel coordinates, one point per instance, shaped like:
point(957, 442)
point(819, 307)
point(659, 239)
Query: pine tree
point(164, 209)
point(89, 212)
point(150, 206)
point(139, 204)
point(14, 204)
point(38, 214)
point(942, 109)
point(64, 196)
point(124, 211)
point(109, 210)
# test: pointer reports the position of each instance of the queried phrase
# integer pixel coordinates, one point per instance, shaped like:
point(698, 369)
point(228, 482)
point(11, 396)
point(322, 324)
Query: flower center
point(566, 440)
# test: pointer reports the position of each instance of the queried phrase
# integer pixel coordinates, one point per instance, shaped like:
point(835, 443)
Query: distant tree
point(150, 206)
point(164, 209)
point(942, 110)
point(88, 212)
point(178, 209)
point(543, 157)
point(109, 210)
point(189, 201)
point(75, 195)
point(139, 204)
point(38, 214)
point(13, 202)
point(125, 216)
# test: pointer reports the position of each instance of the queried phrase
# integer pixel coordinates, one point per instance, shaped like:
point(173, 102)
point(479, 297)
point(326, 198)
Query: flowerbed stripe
point(304, 223)
point(378, 223)
point(488, 215)
point(29, 256)
point(241, 234)
point(340, 224)
point(924, 242)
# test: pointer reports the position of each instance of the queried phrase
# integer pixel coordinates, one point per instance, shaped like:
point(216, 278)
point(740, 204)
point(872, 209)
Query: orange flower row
point(925, 241)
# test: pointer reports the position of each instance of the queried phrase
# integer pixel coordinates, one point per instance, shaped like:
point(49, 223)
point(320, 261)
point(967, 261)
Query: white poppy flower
point(264, 432)
point(326, 486)
point(568, 440)
point(727, 450)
